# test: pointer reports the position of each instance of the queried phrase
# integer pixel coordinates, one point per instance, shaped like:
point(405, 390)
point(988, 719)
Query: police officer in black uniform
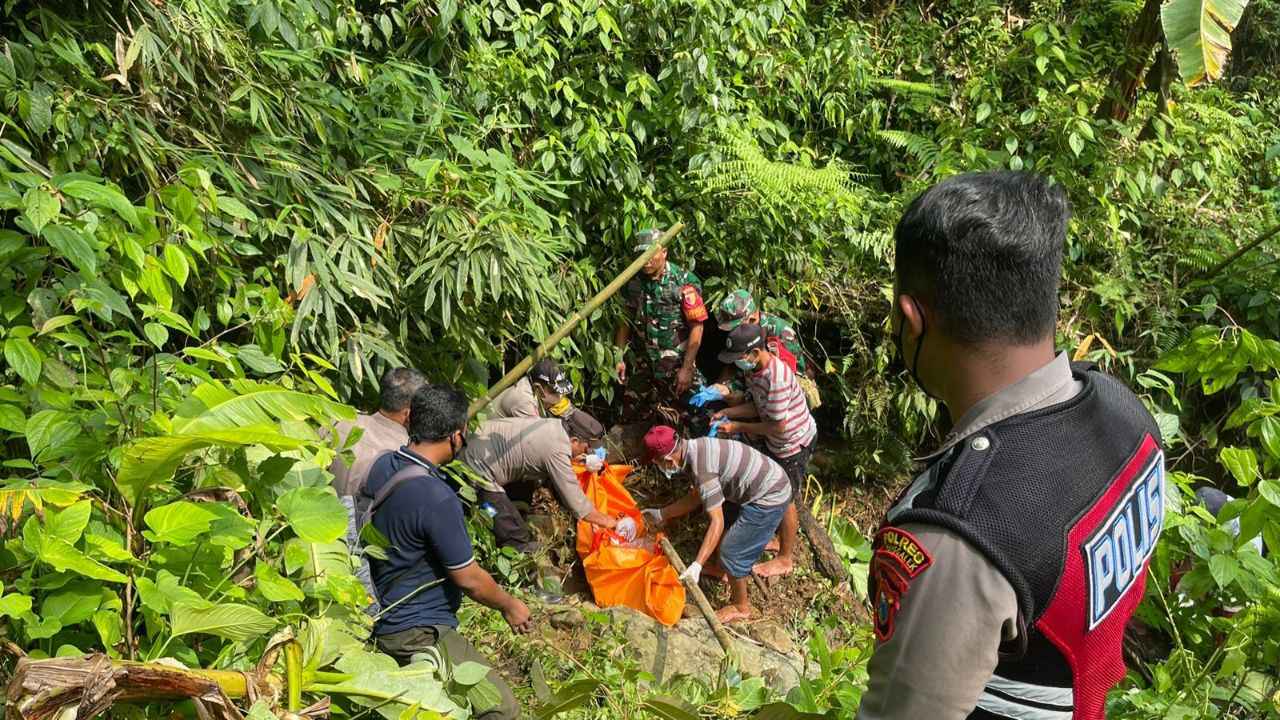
point(1003, 576)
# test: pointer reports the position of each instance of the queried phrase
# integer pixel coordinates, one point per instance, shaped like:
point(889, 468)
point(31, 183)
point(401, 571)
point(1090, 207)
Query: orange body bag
point(636, 575)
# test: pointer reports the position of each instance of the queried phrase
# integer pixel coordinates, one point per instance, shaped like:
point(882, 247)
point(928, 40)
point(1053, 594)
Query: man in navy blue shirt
point(430, 564)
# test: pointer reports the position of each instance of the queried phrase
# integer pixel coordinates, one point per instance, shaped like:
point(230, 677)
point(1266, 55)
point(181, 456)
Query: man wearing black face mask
point(1003, 576)
point(429, 563)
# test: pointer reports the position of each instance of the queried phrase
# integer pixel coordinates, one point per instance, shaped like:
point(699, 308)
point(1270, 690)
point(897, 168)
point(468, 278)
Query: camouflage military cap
point(646, 238)
point(734, 309)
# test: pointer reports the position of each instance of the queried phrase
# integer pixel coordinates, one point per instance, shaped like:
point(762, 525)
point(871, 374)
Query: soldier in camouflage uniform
point(739, 307)
point(667, 312)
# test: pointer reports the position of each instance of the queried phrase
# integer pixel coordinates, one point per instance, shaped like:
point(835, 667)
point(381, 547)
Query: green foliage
point(222, 219)
point(1199, 34)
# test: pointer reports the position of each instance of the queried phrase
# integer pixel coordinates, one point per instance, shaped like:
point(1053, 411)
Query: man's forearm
point(479, 585)
point(682, 507)
point(740, 411)
point(599, 519)
point(691, 346)
point(712, 539)
point(760, 428)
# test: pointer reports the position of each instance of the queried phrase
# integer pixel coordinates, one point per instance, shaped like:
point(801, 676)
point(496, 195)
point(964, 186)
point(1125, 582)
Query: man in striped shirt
point(779, 413)
point(737, 485)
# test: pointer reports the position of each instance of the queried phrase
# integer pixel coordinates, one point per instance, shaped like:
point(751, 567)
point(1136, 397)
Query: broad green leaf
point(1270, 491)
point(1198, 33)
point(468, 673)
point(315, 514)
point(324, 640)
point(236, 209)
point(417, 683)
point(110, 627)
point(273, 586)
point(215, 406)
point(151, 462)
point(24, 358)
point(258, 361)
point(71, 607)
point(15, 605)
point(40, 206)
point(50, 428)
point(74, 246)
point(178, 523)
point(59, 554)
point(570, 697)
point(68, 524)
point(783, 711)
point(1242, 463)
point(669, 708)
point(229, 621)
point(101, 195)
point(1224, 569)
point(12, 419)
point(175, 261)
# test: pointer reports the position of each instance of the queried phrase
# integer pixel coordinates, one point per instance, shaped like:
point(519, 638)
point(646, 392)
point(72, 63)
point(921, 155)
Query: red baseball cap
point(659, 441)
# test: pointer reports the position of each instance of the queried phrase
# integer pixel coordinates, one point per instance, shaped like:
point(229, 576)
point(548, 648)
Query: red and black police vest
point(1067, 502)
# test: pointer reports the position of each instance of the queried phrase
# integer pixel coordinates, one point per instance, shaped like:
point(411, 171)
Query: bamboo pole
point(567, 326)
point(699, 599)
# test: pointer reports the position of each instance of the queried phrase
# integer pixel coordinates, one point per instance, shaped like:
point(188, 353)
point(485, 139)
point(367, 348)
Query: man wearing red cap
point(739, 487)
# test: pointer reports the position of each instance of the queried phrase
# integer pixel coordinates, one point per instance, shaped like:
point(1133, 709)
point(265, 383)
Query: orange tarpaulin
point(636, 575)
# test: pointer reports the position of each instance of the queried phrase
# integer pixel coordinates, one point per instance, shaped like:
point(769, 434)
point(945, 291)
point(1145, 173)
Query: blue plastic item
point(705, 395)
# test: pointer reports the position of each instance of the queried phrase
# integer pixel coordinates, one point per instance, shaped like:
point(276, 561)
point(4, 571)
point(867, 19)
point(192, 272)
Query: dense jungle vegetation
point(221, 219)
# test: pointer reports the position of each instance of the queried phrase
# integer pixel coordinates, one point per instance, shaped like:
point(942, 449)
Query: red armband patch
point(691, 302)
point(898, 557)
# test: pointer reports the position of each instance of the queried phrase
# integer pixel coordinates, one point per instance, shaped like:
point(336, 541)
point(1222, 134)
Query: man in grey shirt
point(526, 452)
point(382, 431)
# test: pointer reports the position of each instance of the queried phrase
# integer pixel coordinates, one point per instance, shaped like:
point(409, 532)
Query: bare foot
point(776, 567)
point(732, 613)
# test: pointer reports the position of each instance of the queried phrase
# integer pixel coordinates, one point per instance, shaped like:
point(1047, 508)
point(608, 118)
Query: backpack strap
point(412, 470)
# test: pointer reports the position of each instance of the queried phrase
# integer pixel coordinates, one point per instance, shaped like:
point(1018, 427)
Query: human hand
point(684, 378)
point(726, 427)
point(692, 573)
point(518, 616)
point(593, 462)
point(653, 516)
point(705, 395)
point(626, 528)
point(621, 369)
point(718, 415)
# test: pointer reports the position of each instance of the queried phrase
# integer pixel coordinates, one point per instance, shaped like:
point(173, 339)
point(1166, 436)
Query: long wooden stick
point(698, 598)
point(567, 326)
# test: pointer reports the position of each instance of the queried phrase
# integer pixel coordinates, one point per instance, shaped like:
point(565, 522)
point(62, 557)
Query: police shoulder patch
point(897, 558)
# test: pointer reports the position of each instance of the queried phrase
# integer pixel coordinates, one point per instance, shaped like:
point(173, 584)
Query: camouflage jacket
point(776, 327)
point(664, 310)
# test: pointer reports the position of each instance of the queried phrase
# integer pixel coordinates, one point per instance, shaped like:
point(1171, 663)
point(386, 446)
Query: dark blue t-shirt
point(424, 523)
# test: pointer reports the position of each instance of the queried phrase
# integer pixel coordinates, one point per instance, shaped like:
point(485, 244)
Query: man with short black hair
point(429, 562)
point(1003, 576)
point(507, 452)
point(382, 431)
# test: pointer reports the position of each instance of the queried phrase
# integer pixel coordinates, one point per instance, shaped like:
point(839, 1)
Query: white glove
point(593, 463)
point(626, 527)
point(652, 516)
point(692, 573)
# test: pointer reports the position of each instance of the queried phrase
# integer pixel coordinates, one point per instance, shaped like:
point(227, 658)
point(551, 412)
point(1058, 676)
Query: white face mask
point(669, 472)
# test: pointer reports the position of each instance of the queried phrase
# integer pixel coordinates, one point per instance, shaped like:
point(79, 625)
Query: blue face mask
point(744, 364)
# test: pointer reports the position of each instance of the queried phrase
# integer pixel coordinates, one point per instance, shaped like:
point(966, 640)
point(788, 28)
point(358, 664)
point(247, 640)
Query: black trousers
point(509, 526)
point(794, 466)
